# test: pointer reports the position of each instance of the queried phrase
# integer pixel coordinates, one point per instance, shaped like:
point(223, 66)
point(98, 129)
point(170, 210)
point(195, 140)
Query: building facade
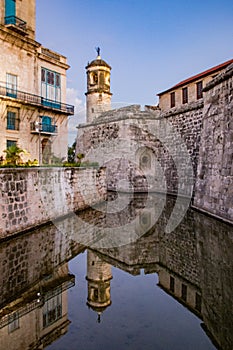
point(33, 111)
point(189, 90)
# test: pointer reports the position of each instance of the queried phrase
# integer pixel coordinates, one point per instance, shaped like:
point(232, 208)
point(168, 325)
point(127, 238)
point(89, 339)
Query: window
point(11, 85)
point(13, 322)
point(10, 143)
point(52, 310)
point(173, 99)
point(185, 95)
point(96, 294)
point(94, 78)
point(12, 120)
point(9, 11)
point(50, 87)
point(199, 90)
point(198, 302)
point(184, 292)
point(172, 284)
point(47, 125)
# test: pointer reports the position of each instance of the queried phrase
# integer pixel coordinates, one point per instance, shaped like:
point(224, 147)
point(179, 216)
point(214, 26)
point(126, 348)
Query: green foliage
point(86, 164)
point(13, 155)
point(13, 158)
point(71, 153)
point(73, 165)
point(30, 163)
point(80, 156)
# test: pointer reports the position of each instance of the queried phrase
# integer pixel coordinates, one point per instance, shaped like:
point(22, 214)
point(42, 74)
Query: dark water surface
point(118, 281)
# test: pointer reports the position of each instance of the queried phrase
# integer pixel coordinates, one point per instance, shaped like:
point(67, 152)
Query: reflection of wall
point(215, 252)
point(38, 316)
point(197, 255)
point(31, 257)
point(194, 264)
point(178, 251)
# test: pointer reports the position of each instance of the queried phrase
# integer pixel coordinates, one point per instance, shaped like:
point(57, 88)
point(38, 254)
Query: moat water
point(116, 280)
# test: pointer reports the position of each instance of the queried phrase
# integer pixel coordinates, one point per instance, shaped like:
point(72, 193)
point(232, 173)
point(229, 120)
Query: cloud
point(79, 116)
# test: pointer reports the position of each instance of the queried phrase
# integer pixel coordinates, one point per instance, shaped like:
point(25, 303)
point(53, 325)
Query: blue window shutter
point(9, 8)
point(47, 124)
point(46, 120)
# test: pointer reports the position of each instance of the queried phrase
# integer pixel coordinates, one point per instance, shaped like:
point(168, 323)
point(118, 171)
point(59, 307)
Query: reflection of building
point(32, 86)
point(185, 292)
point(99, 275)
point(38, 316)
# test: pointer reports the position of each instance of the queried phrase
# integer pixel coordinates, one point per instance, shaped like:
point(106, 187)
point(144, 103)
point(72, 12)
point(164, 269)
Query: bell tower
point(98, 95)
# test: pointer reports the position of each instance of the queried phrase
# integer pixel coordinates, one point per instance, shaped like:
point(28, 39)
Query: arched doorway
point(46, 148)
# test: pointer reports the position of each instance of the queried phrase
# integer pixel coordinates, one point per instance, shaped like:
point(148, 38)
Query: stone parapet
point(31, 197)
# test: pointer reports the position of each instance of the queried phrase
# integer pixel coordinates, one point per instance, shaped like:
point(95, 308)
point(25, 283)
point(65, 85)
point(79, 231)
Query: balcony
point(36, 100)
point(16, 24)
point(42, 128)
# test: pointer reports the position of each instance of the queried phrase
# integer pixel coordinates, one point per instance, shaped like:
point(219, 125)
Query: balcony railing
point(36, 100)
point(42, 128)
point(16, 23)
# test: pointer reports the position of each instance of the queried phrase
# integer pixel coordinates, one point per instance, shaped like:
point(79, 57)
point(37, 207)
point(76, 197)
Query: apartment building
point(33, 109)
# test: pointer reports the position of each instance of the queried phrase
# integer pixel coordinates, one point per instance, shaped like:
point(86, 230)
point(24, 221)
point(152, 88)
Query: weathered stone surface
point(30, 197)
point(151, 150)
point(214, 184)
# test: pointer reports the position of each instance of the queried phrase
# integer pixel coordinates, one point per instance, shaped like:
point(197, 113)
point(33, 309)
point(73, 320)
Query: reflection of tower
point(98, 95)
point(99, 275)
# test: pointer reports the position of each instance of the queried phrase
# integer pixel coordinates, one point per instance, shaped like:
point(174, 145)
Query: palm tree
point(13, 155)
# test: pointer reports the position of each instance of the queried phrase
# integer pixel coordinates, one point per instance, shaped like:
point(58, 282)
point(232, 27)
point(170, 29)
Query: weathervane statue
point(98, 50)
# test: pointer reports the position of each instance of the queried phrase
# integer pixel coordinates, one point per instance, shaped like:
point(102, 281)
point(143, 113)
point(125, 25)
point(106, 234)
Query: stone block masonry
point(214, 183)
point(152, 150)
point(31, 197)
point(143, 150)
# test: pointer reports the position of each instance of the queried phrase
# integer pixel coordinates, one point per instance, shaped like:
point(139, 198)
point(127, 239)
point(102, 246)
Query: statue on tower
point(98, 50)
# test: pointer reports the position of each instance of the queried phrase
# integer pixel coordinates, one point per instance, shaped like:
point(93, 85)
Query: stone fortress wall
point(31, 197)
point(141, 155)
point(214, 185)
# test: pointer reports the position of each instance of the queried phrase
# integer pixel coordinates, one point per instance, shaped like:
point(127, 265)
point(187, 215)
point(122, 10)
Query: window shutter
point(9, 8)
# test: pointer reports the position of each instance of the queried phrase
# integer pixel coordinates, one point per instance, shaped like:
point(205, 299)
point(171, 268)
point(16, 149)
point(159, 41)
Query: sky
point(150, 44)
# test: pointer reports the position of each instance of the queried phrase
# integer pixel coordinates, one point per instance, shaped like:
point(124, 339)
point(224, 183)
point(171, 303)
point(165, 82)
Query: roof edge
point(197, 76)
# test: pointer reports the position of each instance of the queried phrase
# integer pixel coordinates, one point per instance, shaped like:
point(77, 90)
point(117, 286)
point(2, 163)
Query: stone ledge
point(228, 73)
point(211, 214)
point(183, 109)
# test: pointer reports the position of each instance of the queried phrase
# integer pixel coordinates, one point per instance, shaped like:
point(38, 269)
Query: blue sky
point(150, 44)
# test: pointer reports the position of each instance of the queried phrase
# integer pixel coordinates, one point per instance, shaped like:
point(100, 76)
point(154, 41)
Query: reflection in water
point(99, 275)
point(194, 265)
